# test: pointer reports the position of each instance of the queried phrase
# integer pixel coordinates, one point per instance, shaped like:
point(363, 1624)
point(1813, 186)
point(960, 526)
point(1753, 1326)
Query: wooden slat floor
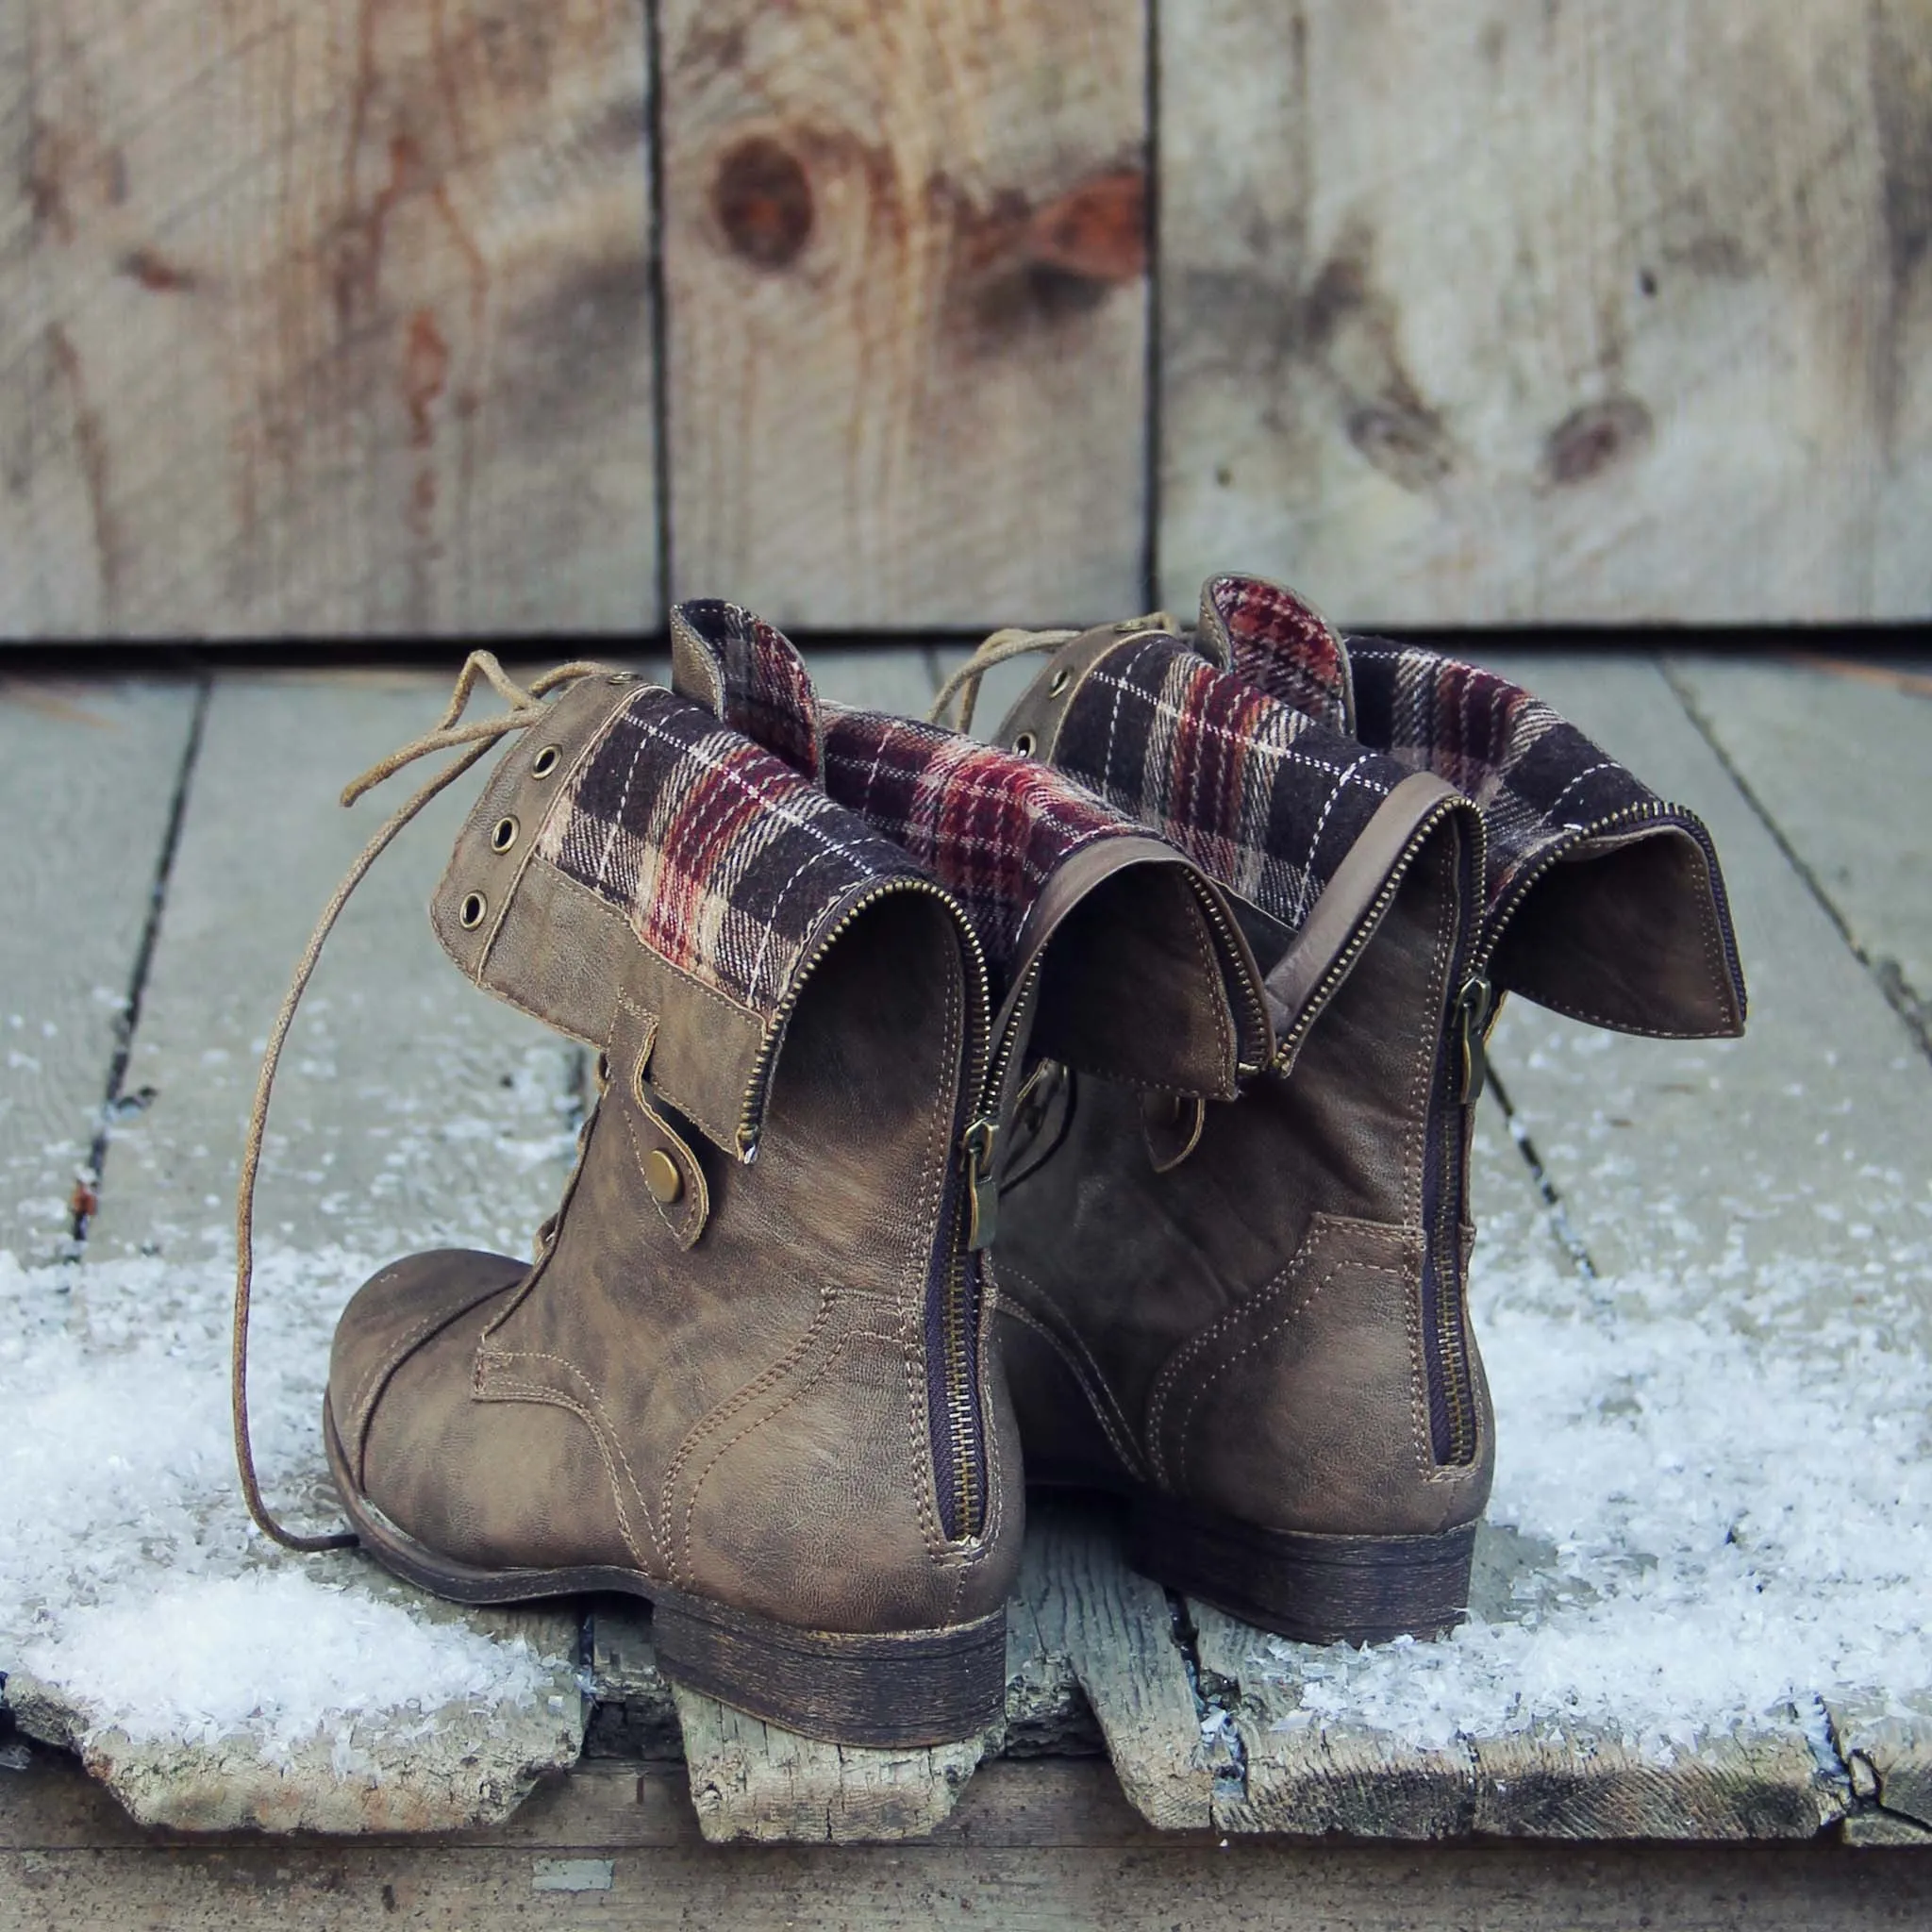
point(174, 839)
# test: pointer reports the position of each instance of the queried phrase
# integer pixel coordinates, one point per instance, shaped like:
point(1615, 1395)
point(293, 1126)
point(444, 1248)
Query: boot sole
point(1310, 1587)
point(888, 1689)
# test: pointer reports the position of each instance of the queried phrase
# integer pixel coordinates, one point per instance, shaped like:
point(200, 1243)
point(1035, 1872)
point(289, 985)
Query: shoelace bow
point(471, 738)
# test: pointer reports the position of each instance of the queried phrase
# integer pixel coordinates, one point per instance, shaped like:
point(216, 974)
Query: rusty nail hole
point(475, 905)
point(503, 835)
point(762, 199)
point(546, 761)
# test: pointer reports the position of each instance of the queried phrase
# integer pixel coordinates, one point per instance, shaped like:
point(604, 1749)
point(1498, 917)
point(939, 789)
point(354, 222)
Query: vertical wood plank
point(1609, 311)
point(330, 318)
point(88, 775)
point(905, 263)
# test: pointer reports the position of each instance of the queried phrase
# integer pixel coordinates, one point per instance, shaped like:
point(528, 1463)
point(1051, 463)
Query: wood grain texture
point(1077, 1600)
point(88, 773)
point(1082, 1879)
point(905, 264)
point(1607, 311)
point(1562, 1781)
point(329, 318)
point(756, 1782)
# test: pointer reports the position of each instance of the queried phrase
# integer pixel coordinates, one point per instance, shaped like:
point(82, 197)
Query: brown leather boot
point(1252, 1317)
point(748, 1375)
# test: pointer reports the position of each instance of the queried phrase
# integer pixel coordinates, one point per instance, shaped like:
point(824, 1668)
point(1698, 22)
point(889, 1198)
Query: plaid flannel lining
point(768, 692)
point(1538, 782)
point(992, 827)
point(726, 862)
point(1282, 647)
point(1255, 792)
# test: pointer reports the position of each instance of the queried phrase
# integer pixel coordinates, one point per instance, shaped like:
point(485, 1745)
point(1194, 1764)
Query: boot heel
point(895, 1689)
point(1312, 1589)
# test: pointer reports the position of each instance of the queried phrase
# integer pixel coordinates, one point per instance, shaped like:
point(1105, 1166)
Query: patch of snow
point(130, 1576)
point(1734, 1467)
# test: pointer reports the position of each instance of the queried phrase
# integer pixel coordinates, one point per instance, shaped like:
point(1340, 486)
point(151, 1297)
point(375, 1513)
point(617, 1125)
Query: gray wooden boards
point(1039, 1844)
point(405, 1769)
point(1615, 311)
point(1800, 1150)
point(1838, 757)
point(326, 318)
point(87, 779)
point(410, 1109)
point(416, 1108)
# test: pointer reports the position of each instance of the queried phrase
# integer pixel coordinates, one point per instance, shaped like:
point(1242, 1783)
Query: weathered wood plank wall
point(324, 316)
point(339, 317)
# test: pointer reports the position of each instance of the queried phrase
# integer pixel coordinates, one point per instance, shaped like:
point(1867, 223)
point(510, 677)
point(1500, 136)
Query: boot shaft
point(1600, 899)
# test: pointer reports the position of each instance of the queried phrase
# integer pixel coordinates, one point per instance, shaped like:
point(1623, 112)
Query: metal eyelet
point(603, 1072)
point(546, 761)
point(472, 911)
point(1023, 744)
point(1062, 678)
point(503, 835)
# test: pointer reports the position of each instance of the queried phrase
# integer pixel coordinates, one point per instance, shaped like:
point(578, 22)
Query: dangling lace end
point(470, 742)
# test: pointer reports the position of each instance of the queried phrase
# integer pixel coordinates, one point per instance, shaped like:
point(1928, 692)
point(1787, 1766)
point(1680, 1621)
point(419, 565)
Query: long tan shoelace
point(470, 740)
point(1002, 647)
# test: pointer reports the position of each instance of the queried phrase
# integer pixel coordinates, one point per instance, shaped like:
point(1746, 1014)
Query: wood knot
point(1588, 441)
point(762, 199)
point(1097, 230)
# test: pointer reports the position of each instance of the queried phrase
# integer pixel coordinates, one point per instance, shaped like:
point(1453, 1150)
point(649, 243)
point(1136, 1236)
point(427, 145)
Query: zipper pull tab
point(1472, 1015)
point(982, 1189)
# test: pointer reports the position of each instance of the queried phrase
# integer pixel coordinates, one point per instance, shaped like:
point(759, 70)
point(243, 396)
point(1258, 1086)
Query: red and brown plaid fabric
point(768, 692)
point(1255, 792)
point(727, 861)
point(1544, 788)
point(990, 825)
point(1282, 645)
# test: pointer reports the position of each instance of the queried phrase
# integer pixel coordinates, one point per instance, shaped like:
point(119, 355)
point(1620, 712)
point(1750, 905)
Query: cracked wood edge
point(755, 1781)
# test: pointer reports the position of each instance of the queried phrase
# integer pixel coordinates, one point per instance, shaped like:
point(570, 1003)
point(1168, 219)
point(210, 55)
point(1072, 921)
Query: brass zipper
point(1343, 962)
point(977, 1147)
point(1233, 950)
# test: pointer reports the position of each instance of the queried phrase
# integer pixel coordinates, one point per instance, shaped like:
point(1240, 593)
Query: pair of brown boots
point(1129, 1066)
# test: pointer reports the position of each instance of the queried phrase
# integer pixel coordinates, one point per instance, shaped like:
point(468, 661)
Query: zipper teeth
point(1211, 904)
point(962, 1411)
point(1656, 812)
point(961, 1404)
point(1365, 927)
point(1451, 1343)
point(761, 1067)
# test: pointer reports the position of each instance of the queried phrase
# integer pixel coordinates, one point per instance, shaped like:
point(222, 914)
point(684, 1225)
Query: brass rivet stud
point(1062, 678)
point(1023, 744)
point(505, 835)
point(546, 761)
point(662, 1177)
point(475, 905)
